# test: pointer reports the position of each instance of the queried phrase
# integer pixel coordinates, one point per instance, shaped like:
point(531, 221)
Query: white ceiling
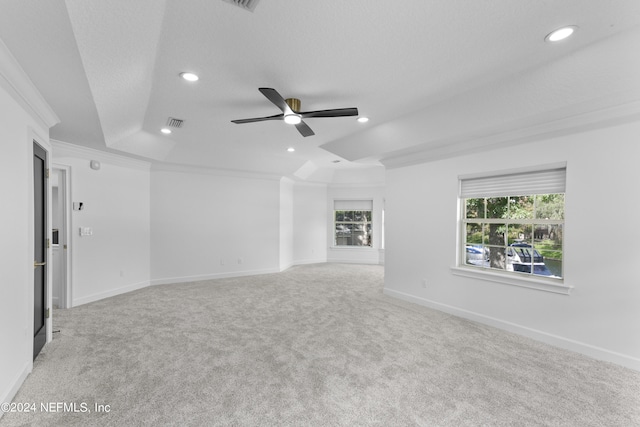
point(436, 77)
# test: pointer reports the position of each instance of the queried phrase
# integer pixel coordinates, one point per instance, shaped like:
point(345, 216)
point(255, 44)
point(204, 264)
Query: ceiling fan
point(291, 113)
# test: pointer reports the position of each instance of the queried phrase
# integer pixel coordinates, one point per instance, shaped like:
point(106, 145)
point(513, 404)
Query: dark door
point(40, 248)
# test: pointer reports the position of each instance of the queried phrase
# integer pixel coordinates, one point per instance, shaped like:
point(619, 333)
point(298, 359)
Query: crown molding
point(519, 133)
point(344, 184)
point(235, 173)
point(337, 185)
point(21, 88)
point(64, 149)
point(301, 183)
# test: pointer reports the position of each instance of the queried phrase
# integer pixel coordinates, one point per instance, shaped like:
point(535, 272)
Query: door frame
point(64, 188)
point(38, 138)
point(41, 337)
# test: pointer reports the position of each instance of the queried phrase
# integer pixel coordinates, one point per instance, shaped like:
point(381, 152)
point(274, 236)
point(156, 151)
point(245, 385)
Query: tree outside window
point(353, 227)
point(522, 234)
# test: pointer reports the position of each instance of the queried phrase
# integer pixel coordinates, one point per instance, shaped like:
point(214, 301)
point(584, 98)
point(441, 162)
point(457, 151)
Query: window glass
point(522, 234)
point(521, 207)
point(353, 228)
point(497, 257)
point(497, 207)
point(475, 208)
point(550, 206)
point(519, 233)
point(474, 233)
point(548, 242)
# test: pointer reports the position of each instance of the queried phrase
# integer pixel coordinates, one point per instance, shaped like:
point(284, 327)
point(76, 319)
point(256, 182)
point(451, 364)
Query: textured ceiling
point(435, 77)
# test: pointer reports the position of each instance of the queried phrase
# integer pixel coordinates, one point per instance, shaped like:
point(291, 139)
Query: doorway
point(40, 312)
point(60, 291)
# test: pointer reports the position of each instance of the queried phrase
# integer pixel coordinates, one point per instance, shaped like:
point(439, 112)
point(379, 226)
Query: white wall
point(360, 255)
point(205, 225)
point(286, 223)
point(20, 123)
point(601, 317)
point(58, 283)
point(56, 262)
point(309, 223)
point(116, 258)
point(15, 251)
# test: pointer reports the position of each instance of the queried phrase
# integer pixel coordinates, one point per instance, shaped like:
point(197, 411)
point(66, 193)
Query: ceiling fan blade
point(336, 112)
point(259, 119)
point(277, 99)
point(304, 129)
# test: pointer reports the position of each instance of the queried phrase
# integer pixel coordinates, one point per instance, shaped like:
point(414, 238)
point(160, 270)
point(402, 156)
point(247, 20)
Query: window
point(352, 222)
point(514, 222)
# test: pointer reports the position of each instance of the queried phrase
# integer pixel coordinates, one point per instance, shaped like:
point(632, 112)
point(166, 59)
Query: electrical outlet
point(239, 260)
point(424, 283)
point(221, 261)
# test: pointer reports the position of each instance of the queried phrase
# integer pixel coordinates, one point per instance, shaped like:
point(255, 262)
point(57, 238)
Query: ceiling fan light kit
point(291, 113)
point(292, 119)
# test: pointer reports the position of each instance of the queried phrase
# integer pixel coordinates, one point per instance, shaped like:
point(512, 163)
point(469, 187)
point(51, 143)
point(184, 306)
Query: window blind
point(547, 181)
point(353, 205)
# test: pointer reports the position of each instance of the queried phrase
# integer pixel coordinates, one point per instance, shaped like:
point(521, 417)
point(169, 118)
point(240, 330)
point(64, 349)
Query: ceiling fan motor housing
point(293, 103)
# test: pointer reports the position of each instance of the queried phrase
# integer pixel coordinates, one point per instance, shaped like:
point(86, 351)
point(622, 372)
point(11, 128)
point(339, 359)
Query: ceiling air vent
point(249, 5)
point(174, 123)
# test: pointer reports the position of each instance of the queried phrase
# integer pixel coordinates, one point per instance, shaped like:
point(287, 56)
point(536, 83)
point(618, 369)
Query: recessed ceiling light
point(363, 119)
point(190, 77)
point(166, 131)
point(292, 119)
point(560, 33)
point(291, 149)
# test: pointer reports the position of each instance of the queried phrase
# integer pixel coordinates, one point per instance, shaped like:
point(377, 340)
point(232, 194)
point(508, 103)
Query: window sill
point(513, 279)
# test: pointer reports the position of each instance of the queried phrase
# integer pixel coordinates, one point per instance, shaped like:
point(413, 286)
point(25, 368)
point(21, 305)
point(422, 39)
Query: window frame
point(532, 281)
point(364, 223)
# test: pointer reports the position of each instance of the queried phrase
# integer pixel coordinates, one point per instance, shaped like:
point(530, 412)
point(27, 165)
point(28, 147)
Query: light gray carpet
point(317, 345)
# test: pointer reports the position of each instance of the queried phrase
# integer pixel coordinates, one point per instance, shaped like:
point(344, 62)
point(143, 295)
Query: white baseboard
point(285, 267)
point(310, 261)
point(355, 255)
point(8, 395)
point(554, 340)
point(167, 281)
point(353, 261)
point(109, 293)
point(196, 278)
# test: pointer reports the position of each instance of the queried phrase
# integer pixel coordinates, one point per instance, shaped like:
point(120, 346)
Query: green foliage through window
point(521, 233)
point(353, 228)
